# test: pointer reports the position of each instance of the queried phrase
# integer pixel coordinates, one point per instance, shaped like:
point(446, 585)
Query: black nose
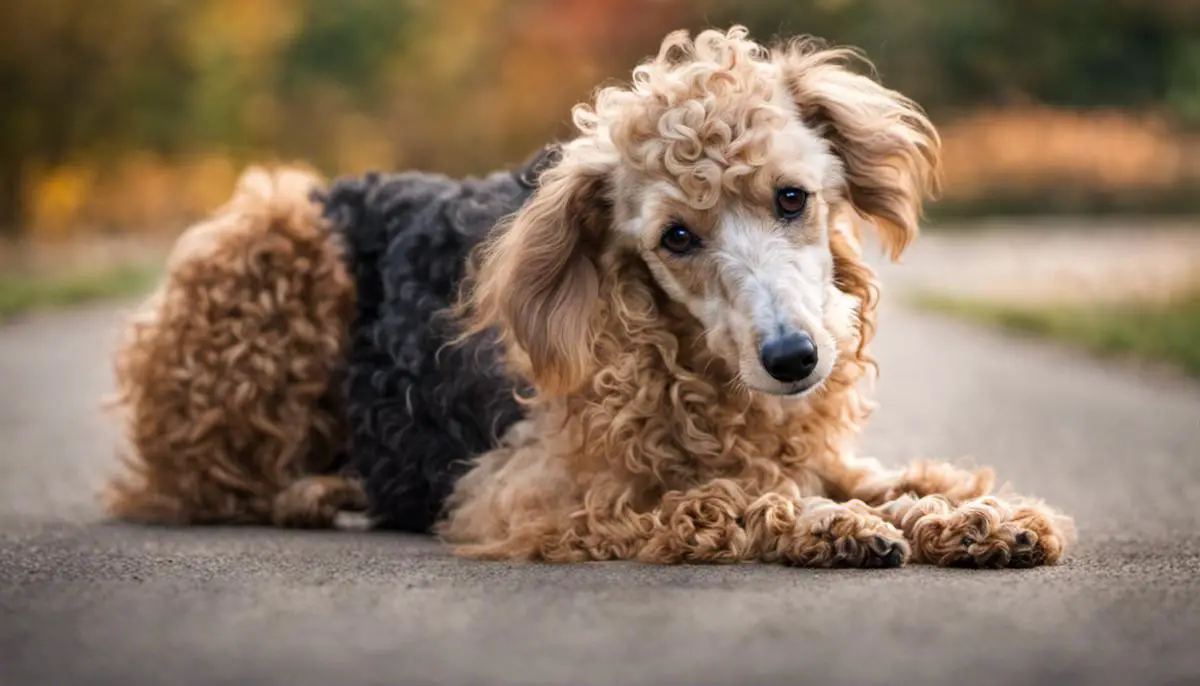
point(790, 358)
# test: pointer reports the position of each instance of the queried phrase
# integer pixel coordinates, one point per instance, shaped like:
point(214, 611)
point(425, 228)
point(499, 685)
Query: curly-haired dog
point(686, 296)
point(229, 375)
point(684, 306)
point(232, 376)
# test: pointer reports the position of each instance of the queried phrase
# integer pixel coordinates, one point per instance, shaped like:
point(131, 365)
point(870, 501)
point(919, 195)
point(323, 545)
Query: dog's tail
point(228, 377)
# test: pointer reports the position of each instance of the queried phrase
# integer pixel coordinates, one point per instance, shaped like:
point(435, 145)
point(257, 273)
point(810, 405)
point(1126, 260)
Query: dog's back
point(419, 404)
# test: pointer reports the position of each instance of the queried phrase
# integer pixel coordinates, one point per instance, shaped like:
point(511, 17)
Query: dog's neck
point(672, 413)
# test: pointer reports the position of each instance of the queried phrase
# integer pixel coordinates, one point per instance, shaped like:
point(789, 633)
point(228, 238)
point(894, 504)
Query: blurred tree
point(85, 78)
point(490, 80)
point(233, 47)
point(957, 54)
point(349, 43)
point(334, 74)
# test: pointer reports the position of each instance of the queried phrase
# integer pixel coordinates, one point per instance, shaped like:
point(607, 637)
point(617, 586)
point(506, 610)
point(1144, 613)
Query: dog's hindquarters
point(229, 375)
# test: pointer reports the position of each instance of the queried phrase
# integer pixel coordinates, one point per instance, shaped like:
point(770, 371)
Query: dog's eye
point(790, 202)
point(678, 239)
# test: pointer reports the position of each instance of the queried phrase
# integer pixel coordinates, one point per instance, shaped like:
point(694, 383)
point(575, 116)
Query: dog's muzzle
point(790, 358)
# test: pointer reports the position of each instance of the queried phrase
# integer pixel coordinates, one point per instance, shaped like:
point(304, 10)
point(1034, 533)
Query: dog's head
point(729, 170)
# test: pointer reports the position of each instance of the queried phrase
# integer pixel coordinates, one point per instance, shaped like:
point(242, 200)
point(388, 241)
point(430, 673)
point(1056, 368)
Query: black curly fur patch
point(418, 409)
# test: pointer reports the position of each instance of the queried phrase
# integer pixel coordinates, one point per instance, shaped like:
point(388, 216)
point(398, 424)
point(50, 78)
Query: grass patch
point(21, 293)
point(1162, 332)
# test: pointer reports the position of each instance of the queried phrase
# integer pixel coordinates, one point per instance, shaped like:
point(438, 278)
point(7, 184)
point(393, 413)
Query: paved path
point(88, 602)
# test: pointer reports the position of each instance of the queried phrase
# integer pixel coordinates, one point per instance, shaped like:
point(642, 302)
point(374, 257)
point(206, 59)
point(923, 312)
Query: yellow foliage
point(207, 182)
point(251, 29)
point(140, 192)
point(363, 145)
point(58, 197)
point(1032, 148)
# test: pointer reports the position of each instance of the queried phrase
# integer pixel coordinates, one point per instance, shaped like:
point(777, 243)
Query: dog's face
point(725, 168)
point(750, 260)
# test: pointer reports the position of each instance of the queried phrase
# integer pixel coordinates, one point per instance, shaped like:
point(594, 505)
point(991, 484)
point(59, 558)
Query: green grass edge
point(20, 294)
point(1166, 332)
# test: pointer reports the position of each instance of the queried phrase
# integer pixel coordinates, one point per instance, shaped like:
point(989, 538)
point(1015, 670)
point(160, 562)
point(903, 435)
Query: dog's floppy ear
point(888, 147)
point(539, 283)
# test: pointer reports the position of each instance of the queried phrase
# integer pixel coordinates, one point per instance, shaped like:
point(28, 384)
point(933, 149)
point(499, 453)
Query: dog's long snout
point(790, 357)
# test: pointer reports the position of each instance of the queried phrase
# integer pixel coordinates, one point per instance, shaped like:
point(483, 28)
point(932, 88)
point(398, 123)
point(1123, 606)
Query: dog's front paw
point(842, 535)
point(989, 533)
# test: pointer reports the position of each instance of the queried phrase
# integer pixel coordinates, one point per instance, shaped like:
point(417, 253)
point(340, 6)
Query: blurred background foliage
point(128, 116)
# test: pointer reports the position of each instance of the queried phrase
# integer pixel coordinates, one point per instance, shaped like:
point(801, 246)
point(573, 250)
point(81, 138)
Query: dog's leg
point(315, 501)
point(983, 532)
point(818, 532)
point(720, 522)
point(949, 519)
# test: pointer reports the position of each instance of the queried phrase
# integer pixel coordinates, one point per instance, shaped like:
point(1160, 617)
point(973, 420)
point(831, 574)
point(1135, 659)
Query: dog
point(686, 298)
point(658, 356)
point(294, 330)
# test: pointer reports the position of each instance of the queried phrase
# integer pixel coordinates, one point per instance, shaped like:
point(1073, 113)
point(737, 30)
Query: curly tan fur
point(653, 432)
point(228, 376)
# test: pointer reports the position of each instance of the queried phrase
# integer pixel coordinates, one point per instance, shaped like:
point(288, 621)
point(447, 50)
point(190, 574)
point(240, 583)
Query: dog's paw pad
point(871, 551)
point(1025, 550)
point(888, 552)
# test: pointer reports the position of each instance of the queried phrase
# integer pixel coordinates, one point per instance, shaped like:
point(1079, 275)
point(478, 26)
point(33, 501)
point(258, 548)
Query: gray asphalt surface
point(83, 601)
